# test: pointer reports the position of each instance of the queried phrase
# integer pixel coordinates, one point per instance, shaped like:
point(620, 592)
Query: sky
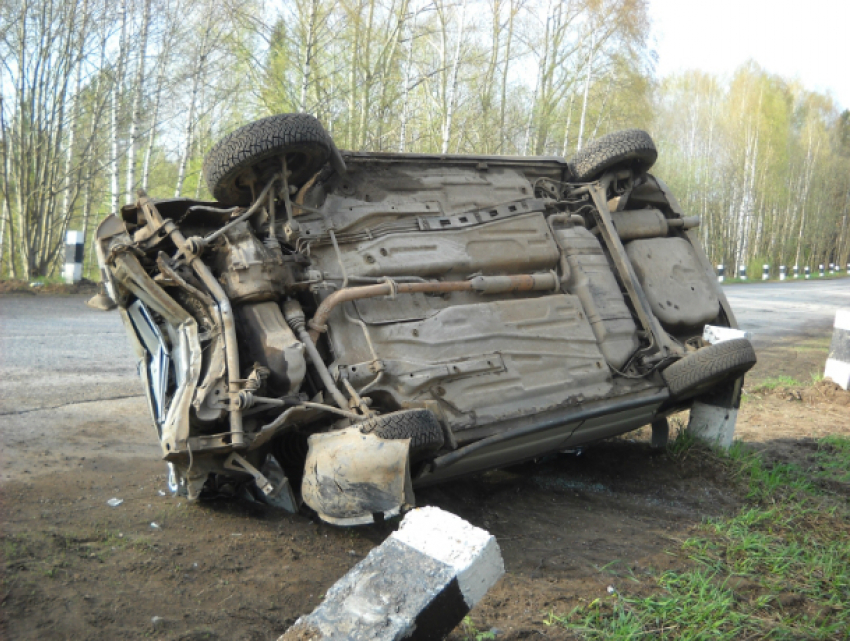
point(804, 39)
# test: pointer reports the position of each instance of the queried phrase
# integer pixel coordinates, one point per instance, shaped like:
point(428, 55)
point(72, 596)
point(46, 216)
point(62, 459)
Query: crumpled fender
point(350, 476)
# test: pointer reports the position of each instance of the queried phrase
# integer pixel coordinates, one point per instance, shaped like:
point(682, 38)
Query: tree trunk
point(136, 109)
point(352, 135)
point(450, 101)
point(504, 98)
point(190, 122)
point(114, 202)
point(117, 83)
point(808, 169)
point(7, 197)
point(566, 147)
point(405, 100)
point(308, 56)
point(586, 89)
point(160, 81)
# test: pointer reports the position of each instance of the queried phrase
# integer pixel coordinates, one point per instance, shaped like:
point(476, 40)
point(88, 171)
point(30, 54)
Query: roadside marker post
point(713, 417)
point(782, 272)
point(742, 272)
point(765, 272)
point(74, 251)
point(796, 271)
point(838, 361)
point(417, 585)
point(820, 271)
point(720, 273)
point(808, 273)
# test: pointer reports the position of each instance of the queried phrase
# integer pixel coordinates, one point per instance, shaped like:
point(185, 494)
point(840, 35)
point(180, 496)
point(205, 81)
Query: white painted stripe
point(842, 319)
point(471, 551)
point(713, 334)
point(72, 272)
point(713, 424)
point(838, 371)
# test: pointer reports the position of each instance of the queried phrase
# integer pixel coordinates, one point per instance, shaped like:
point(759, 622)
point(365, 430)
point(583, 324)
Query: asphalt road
point(774, 311)
point(56, 351)
point(68, 387)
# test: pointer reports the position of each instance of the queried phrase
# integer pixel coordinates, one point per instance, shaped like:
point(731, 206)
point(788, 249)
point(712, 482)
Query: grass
point(778, 569)
point(771, 383)
point(472, 633)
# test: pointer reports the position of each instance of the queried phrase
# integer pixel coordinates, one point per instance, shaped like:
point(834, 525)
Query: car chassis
point(339, 328)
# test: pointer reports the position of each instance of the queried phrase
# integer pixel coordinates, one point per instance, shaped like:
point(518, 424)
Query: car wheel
point(704, 368)
point(420, 426)
point(631, 148)
point(253, 152)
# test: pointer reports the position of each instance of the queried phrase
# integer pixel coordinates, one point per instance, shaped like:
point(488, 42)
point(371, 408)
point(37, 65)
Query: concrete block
point(714, 414)
point(838, 362)
point(713, 424)
point(417, 585)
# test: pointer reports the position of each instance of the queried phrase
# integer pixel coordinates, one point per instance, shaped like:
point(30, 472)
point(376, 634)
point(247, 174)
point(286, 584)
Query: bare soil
point(156, 567)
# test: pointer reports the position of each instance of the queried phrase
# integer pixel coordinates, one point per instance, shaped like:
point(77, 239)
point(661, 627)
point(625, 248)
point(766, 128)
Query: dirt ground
point(155, 567)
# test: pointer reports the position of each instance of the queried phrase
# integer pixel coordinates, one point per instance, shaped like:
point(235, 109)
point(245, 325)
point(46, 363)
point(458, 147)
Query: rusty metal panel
point(490, 360)
point(513, 245)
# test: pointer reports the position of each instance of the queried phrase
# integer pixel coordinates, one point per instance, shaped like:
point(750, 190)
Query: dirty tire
point(628, 148)
point(709, 365)
point(257, 147)
point(420, 426)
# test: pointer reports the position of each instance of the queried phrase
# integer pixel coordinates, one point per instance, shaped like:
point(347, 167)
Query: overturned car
point(339, 328)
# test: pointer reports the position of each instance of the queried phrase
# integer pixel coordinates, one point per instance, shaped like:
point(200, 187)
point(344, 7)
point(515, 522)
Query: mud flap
point(349, 477)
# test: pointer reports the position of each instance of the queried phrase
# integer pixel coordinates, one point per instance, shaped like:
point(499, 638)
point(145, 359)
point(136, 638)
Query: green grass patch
point(778, 569)
point(771, 383)
point(472, 633)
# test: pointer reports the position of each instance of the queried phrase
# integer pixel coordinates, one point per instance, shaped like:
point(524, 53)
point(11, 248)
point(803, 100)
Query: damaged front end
point(230, 406)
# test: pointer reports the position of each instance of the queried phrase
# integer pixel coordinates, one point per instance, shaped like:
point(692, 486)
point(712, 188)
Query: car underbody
point(345, 328)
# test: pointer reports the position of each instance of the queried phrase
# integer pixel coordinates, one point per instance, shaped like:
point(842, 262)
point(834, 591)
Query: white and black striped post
point(742, 272)
point(832, 268)
point(808, 273)
point(765, 272)
point(416, 585)
point(838, 362)
point(74, 251)
point(782, 272)
point(721, 272)
point(820, 270)
point(796, 271)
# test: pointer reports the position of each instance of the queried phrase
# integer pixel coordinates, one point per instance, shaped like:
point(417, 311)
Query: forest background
point(99, 98)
